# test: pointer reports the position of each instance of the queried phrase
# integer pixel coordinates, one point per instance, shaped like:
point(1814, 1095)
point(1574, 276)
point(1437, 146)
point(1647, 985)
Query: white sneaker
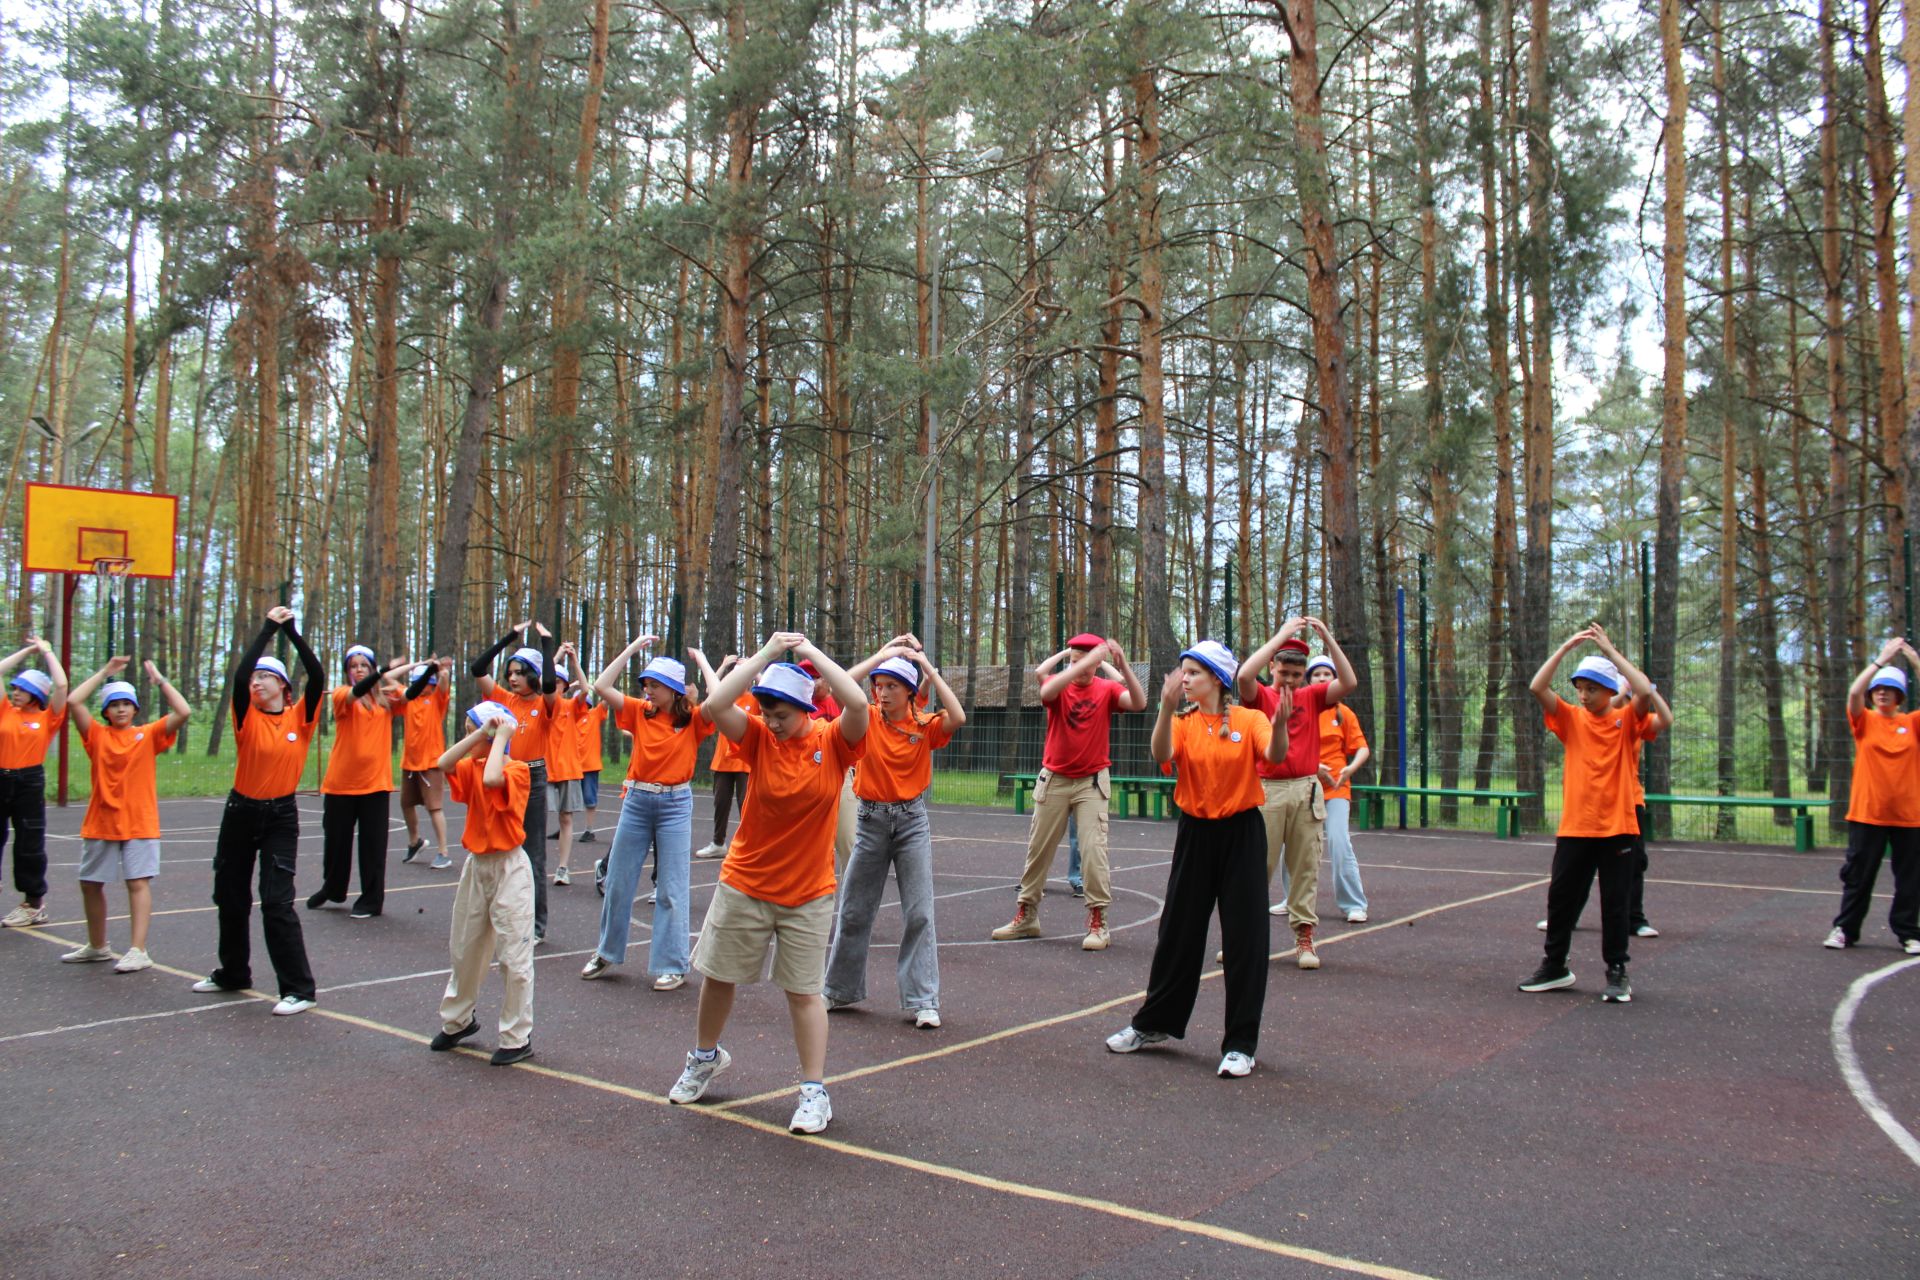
point(24, 915)
point(1236, 1065)
point(441, 863)
point(812, 1114)
point(1356, 917)
point(562, 876)
point(293, 1004)
point(1542, 926)
point(1128, 1038)
point(134, 961)
point(1278, 909)
point(926, 1019)
point(1837, 940)
point(1911, 946)
point(206, 986)
point(698, 1074)
point(1645, 931)
point(670, 982)
point(707, 853)
point(87, 954)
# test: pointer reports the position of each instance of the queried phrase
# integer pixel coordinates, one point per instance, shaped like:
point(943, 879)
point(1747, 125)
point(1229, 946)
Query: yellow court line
point(1025, 1191)
point(1077, 1014)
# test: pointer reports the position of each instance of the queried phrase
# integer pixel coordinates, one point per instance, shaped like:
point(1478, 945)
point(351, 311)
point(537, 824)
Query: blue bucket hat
point(902, 669)
point(1890, 678)
point(37, 683)
point(667, 671)
point(274, 667)
point(787, 682)
point(532, 658)
point(481, 713)
point(430, 670)
point(118, 691)
point(1216, 658)
point(1600, 671)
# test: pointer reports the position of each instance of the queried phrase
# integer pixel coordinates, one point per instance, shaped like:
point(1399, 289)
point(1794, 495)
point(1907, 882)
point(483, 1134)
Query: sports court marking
point(1840, 1033)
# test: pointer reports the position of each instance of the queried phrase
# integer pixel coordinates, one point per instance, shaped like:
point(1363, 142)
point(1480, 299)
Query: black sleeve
point(243, 672)
point(419, 686)
point(316, 674)
point(548, 680)
point(482, 666)
point(362, 688)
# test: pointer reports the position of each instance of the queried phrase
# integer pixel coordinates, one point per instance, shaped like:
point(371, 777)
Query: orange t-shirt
point(726, 756)
point(529, 742)
point(563, 740)
point(899, 763)
point(495, 815)
point(1340, 740)
point(25, 735)
point(1886, 769)
point(270, 750)
point(125, 803)
point(1215, 759)
point(425, 737)
point(361, 762)
point(587, 725)
point(1596, 783)
point(661, 753)
point(783, 850)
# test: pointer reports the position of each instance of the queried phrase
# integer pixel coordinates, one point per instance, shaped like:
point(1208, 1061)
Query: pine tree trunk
point(1727, 713)
point(1836, 669)
point(1534, 636)
point(1155, 594)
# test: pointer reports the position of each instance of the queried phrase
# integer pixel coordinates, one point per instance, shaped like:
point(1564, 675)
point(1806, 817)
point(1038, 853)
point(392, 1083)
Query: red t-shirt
point(1303, 730)
point(1079, 724)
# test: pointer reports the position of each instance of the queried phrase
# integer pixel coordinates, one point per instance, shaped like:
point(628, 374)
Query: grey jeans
point(893, 835)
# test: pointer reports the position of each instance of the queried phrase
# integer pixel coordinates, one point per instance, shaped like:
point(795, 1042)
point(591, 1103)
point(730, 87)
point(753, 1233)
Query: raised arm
point(1246, 681)
point(481, 668)
point(77, 706)
point(242, 697)
point(57, 695)
point(607, 683)
point(1857, 691)
point(1345, 681)
point(177, 708)
point(1052, 686)
point(361, 688)
point(1282, 711)
point(719, 708)
point(14, 659)
point(1541, 686)
point(454, 754)
point(1135, 698)
point(1637, 681)
point(316, 686)
point(846, 690)
point(952, 714)
point(1161, 743)
point(495, 774)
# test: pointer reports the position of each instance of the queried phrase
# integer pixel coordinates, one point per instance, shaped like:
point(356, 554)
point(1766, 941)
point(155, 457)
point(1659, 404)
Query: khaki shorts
point(739, 929)
point(423, 787)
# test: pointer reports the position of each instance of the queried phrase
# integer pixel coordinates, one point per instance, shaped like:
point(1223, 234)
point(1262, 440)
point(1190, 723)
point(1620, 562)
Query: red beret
point(1086, 640)
point(807, 666)
point(1293, 646)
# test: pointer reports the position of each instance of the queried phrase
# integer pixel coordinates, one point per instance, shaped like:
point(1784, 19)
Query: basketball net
point(110, 581)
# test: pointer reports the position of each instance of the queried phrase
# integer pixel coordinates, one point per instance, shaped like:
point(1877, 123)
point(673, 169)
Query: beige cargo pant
point(1295, 814)
point(1088, 800)
point(492, 916)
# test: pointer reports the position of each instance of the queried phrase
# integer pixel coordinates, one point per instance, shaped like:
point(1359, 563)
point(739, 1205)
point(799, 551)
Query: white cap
point(787, 682)
point(1600, 671)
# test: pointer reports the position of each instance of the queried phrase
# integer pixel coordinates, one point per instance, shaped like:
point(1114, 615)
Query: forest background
point(1159, 318)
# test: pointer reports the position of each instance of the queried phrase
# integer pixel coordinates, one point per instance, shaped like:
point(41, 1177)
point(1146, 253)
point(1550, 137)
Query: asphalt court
point(1411, 1115)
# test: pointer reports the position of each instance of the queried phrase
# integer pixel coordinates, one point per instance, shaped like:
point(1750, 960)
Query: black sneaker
point(554, 836)
point(445, 1040)
point(1548, 977)
point(317, 901)
point(1619, 990)
point(413, 850)
point(505, 1057)
point(587, 838)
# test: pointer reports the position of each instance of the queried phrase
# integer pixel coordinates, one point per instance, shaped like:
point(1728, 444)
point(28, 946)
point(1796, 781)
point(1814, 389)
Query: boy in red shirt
point(121, 832)
point(493, 907)
point(1597, 823)
point(1074, 780)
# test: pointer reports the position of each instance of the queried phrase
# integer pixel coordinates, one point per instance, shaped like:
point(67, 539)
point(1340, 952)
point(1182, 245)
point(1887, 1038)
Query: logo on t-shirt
point(816, 757)
point(33, 724)
point(292, 737)
point(139, 737)
point(1234, 736)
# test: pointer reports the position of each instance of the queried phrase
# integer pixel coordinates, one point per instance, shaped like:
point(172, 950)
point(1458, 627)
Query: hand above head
point(1319, 628)
point(699, 656)
point(905, 640)
point(153, 672)
point(118, 663)
point(1890, 650)
point(794, 640)
point(40, 643)
point(541, 629)
point(1116, 655)
point(281, 614)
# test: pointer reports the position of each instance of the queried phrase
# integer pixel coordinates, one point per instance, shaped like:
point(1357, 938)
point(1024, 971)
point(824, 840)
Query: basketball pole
point(66, 664)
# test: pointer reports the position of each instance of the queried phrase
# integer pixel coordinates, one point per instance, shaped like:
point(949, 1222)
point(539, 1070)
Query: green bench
point(1371, 807)
point(1802, 815)
point(1138, 791)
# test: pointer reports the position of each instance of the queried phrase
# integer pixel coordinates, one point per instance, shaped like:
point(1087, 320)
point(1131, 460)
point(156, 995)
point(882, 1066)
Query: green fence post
point(1059, 612)
point(1425, 686)
point(1228, 596)
point(1646, 606)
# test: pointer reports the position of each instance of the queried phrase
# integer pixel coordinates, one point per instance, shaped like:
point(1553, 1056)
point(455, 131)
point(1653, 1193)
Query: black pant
point(340, 817)
point(1576, 861)
point(728, 788)
point(271, 829)
point(23, 803)
point(536, 843)
point(1637, 892)
point(1219, 861)
point(1866, 844)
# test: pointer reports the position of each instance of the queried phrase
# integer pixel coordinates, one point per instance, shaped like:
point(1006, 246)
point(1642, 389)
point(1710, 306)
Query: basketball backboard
point(68, 529)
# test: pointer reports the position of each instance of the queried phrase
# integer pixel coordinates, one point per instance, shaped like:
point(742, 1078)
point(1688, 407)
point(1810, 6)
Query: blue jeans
point(1073, 853)
point(664, 821)
point(1348, 894)
point(893, 835)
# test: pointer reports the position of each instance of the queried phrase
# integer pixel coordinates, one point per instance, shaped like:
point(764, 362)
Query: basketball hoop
point(110, 580)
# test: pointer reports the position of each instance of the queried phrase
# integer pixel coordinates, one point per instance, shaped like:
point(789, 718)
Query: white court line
point(114, 1022)
point(1841, 1035)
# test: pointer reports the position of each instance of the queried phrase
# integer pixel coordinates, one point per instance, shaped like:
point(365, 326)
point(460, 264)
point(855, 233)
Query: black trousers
point(1637, 892)
point(270, 830)
point(536, 843)
point(1217, 862)
point(1866, 845)
point(342, 818)
point(1577, 861)
point(729, 789)
point(23, 806)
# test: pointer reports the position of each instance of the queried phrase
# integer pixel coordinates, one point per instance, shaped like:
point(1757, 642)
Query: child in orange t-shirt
point(892, 785)
point(528, 690)
point(777, 883)
point(121, 832)
point(730, 777)
point(1883, 810)
point(565, 796)
point(493, 905)
point(656, 811)
point(1219, 854)
point(587, 725)
point(358, 784)
point(1597, 823)
point(30, 716)
point(424, 739)
point(1343, 752)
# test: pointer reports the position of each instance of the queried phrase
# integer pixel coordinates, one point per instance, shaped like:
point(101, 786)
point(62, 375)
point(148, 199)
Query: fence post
point(918, 621)
point(1059, 612)
point(1646, 606)
point(1425, 683)
point(1229, 601)
point(1400, 679)
point(673, 624)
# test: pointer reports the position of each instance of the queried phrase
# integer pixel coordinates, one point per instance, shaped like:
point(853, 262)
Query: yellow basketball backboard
point(69, 528)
